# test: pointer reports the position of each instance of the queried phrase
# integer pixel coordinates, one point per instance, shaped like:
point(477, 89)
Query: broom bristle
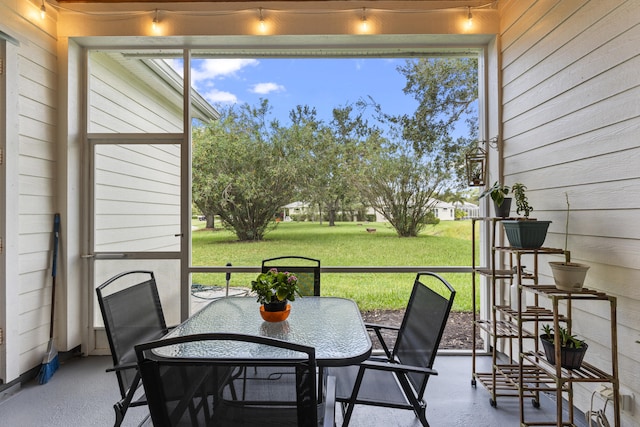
point(50, 365)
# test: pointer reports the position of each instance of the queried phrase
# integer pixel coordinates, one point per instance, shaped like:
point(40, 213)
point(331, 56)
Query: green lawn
point(347, 244)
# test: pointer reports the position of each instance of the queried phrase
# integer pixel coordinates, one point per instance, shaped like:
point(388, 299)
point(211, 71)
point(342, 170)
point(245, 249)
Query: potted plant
point(568, 276)
point(501, 203)
point(572, 349)
point(273, 290)
point(524, 233)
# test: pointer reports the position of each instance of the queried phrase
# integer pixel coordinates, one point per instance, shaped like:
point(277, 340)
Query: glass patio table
point(333, 326)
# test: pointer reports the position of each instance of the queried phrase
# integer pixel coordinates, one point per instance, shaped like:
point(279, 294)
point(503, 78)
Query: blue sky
point(318, 82)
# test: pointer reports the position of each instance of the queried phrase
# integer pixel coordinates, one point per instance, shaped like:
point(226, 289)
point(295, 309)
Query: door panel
point(135, 218)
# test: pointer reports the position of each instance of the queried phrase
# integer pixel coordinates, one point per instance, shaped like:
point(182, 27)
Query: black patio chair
point(399, 378)
point(132, 314)
point(306, 269)
point(207, 391)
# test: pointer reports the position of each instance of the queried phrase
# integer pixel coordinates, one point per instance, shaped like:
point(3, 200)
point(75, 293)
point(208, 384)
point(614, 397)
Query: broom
point(50, 362)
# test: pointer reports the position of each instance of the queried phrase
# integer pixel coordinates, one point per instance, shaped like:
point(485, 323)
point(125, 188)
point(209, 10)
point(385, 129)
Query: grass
point(347, 244)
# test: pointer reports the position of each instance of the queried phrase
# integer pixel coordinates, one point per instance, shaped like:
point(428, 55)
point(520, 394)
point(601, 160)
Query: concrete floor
point(81, 394)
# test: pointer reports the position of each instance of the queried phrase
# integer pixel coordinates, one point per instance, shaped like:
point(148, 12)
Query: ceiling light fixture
point(155, 21)
point(263, 26)
point(469, 17)
point(43, 11)
point(365, 24)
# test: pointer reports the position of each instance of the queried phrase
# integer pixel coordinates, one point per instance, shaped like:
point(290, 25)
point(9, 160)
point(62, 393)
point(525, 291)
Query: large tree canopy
point(446, 90)
point(425, 154)
point(244, 170)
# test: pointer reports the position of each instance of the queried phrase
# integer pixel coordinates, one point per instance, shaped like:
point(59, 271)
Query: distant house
point(295, 208)
point(444, 211)
point(471, 210)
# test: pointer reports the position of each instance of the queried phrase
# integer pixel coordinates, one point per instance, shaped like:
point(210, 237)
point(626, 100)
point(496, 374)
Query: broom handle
point(56, 232)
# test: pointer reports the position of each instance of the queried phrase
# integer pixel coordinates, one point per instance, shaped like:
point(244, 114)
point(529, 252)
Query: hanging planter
point(476, 161)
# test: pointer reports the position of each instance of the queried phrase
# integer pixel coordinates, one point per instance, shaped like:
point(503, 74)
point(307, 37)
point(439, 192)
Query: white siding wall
point(31, 69)
point(122, 101)
point(571, 120)
point(137, 200)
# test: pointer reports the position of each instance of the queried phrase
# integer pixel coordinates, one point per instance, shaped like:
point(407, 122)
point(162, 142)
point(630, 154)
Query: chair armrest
point(330, 402)
point(377, 329)
point(378, 326)
point(123, 367)
point(383, 366)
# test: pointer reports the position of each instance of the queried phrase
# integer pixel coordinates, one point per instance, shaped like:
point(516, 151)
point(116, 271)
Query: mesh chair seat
point(184, 391)
point(370, 389)
point(399, 379)
point(132, 314)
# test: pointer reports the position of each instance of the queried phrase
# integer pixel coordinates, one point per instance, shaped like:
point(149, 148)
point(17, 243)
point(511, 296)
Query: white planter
point(568, 277)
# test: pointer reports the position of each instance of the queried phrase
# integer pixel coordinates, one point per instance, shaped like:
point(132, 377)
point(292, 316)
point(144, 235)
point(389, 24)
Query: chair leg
point(422, 416)
point(352, 400)
point(419, 406)
point(120, 411)
point(320, 383)
point(347, 415)
point(122, 406)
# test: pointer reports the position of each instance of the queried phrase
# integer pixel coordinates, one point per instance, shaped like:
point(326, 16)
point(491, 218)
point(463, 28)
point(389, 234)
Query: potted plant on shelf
point(524, 233)
point(568, 276)
point(273, 290)
point(572, 349)
point(501, 203)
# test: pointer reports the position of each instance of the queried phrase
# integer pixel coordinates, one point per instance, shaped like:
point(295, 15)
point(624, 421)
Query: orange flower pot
point(275, 316)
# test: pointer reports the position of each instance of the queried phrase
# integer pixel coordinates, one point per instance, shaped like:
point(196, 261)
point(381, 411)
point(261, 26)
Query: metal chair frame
point(411, 365)
point(151, 326)
point(213, 386)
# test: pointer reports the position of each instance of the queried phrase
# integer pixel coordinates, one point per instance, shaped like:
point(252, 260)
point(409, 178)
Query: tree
point(330, 154)
point(350, 142)
point(244, 170)
point(402, 190)
point(423, 155)
point(446, 90)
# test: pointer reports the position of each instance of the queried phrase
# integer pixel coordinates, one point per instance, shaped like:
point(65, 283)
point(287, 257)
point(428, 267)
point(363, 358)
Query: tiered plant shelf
point(526, 374)
point(559, 379)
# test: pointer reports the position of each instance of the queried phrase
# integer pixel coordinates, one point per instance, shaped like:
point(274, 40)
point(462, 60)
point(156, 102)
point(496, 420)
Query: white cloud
point(266, 88)
point(218, 96)
point(208, 69)
point(205, 71)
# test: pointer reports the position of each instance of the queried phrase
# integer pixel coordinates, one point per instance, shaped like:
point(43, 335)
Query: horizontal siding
point(571, 120)
point(121, 101)
point(590, 142)
point(572, 35)
point(137, 197)
point(579, 91)
point(37, 100)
